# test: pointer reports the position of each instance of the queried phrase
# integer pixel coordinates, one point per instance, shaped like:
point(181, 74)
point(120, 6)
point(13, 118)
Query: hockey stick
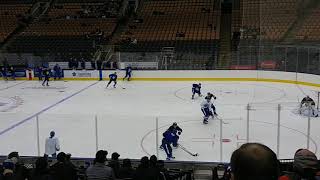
point(187, 151)
point(220, 119)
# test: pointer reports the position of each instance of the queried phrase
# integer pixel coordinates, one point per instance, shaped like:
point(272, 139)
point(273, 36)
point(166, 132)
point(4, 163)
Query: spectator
point(20, 171)
point(221, 172)
point(57, 72)
point(83, 64)
point(153, 161)
point(164, 174)
point(143, 171)
point(126, 171)
point(305, 166)
point(62, 170)
point(41, 171)
point(52, 145)
point(71, 168)
point(8, 168)
point(114, 163)
point(68, 161)
point(254, 161)
point(99, 171)
point(93, 64)
point(154, 168)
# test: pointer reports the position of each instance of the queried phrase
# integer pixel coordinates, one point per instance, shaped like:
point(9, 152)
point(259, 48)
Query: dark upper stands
point(172, 23)
point(269, 18)
point(17, 1)
point(310, 30)
point(69, 27)
point(9, 18)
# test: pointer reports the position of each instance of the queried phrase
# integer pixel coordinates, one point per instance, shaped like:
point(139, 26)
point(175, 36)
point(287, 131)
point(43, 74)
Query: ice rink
point(126, 117)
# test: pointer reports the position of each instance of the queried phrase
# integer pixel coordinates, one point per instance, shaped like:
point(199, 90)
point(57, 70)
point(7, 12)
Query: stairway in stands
point(36, 10)
point(122, 25)
point(224, 60)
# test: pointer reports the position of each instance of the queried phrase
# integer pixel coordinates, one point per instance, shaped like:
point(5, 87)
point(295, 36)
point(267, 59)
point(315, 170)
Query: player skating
point(309, 102)
point(168, 138)
point(196, 89)
point(208, 109)
point(176, 132)
point(113, 78)
point(46, 74)
point(210, 96)
point(128, 73)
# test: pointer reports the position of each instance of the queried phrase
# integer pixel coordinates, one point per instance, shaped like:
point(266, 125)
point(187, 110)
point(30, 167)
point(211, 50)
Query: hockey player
point(168, 138)
point(113, 78)
point(128, 73)
point(40, 71)
point(210, 96)
point(196, 89)
point(177, 132)
point(206, 107)
point(4, 73)
point(52, 145)
point(307, 102)
point(46, 74)
point(57, 72)
point(13, 73)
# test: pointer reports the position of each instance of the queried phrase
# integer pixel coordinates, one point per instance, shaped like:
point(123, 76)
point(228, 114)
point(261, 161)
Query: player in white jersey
point(52, 145)
point(208, 109)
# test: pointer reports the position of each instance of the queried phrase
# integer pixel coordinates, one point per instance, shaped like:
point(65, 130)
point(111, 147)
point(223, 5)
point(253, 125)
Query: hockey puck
point(196, 154)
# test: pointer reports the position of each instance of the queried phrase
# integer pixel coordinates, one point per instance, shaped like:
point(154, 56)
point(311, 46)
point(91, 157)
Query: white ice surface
point(127, 116)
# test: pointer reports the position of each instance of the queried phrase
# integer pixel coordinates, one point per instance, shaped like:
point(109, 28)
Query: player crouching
point(306, 103)
point(113, 78)
point(196, 89)
point(208, 109)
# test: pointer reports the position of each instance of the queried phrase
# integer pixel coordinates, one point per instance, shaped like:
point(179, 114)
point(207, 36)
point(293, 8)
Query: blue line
point(44, 110)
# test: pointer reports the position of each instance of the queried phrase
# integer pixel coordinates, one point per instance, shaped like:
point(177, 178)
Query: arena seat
point(89, 22)
point(271, 18)
point(162, 21)
point(9, 17)
point(310, 28)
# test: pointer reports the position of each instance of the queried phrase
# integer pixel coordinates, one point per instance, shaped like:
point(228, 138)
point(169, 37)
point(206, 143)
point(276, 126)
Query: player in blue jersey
point(196, 89)
point(176, 132)
point(208, 109)
point(13, 73)
point(128, 73)
point(4, 73)
point(168, 138)
point(39, 70)
point(113, 78)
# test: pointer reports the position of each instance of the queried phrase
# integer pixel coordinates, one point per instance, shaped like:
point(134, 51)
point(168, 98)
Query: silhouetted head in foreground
point(254, 161)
